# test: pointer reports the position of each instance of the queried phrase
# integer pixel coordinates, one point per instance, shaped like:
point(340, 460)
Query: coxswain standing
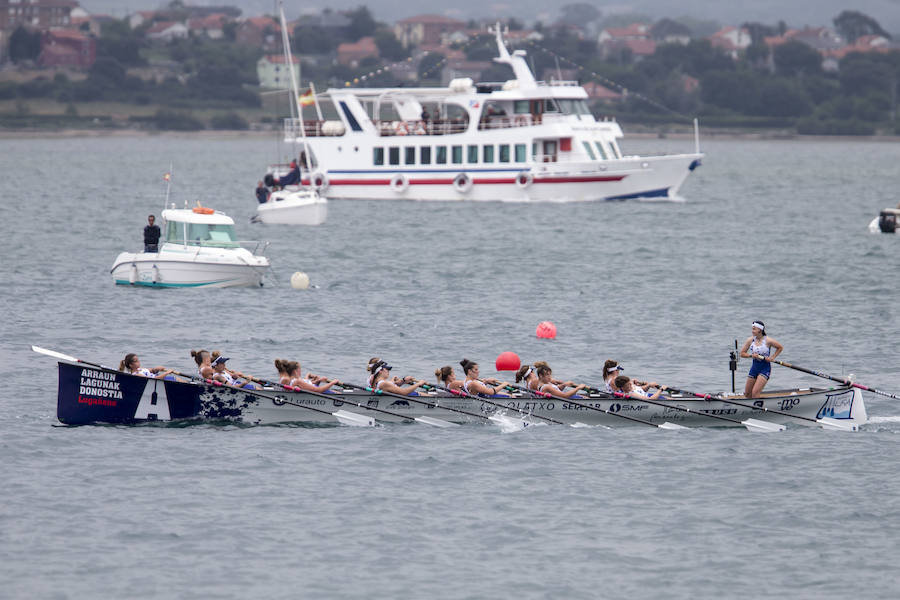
point(760, 348)
point(151, 235)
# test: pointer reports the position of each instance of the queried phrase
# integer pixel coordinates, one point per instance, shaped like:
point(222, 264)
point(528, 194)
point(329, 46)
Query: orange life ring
point(202, 210)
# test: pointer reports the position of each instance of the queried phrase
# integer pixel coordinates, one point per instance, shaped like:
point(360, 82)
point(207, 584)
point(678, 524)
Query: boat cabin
point(202, 227)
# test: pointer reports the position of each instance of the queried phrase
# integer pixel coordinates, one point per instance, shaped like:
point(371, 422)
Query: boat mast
point(296, 107)
point(516, 60)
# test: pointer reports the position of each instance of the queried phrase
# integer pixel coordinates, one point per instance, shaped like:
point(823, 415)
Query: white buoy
point(300, 280)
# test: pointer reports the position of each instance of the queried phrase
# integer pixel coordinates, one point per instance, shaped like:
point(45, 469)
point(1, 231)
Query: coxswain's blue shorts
point(760, 367)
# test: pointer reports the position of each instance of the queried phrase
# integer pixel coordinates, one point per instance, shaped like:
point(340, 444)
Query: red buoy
point(508, 361)
point(546, 330)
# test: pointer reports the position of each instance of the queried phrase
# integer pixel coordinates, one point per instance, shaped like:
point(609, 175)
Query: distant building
point(140, 18)
point(667, 31)
point(601, 93)
point(731, 40)
point(40, 14)
point(351, 54)
point(211, 26)
point(166, 31)
point(260, 32)
point(425, 30)
point(272, 71)
point(633, 40)
point(67, 48)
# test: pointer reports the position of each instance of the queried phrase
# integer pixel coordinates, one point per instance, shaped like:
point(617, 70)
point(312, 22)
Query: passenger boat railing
point(292, 127)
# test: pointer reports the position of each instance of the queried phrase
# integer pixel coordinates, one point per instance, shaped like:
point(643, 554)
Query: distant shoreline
point(705, 134)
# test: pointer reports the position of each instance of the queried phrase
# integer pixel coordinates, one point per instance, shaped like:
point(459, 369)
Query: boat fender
point(269, 180)
point(401, 128)
point(203, 210)
point(462, 183)
point(524, 179)
point(132, 275)
point(399, 183)
point(887, 222)
point(319, 181)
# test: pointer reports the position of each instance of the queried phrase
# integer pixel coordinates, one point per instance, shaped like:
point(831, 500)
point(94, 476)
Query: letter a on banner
point(154, 404)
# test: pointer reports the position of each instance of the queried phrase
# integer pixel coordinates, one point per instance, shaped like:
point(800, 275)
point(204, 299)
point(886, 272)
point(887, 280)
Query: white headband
point(759, 325)
point(375, 372)
point(527, 373)
point(611, 369)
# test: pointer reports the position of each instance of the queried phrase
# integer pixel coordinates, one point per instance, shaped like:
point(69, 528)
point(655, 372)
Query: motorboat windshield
point(212, 235)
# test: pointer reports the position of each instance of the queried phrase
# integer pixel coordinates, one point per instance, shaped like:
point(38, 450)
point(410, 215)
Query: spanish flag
point(306, 98)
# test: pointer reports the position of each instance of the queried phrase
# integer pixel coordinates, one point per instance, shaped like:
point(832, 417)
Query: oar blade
point(672, 426)
point(829, 423)
point(762, 426)
point(435, 422)
point(353, 419)
point(53, 353)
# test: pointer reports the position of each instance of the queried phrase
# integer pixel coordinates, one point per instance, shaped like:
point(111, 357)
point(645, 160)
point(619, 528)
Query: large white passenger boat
point(522, 140)
point(200, 250)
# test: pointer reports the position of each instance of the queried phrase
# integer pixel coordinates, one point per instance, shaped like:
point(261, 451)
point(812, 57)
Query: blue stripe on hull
point(662, 192)
point(167, 285)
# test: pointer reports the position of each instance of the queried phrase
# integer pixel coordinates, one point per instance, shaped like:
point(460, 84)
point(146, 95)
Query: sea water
point(770, 230)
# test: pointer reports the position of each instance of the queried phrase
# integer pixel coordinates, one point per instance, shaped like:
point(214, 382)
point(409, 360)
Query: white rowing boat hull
point(93, 395)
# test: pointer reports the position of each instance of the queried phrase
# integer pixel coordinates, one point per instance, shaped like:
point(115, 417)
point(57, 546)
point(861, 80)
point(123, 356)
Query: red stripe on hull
point(485, 181)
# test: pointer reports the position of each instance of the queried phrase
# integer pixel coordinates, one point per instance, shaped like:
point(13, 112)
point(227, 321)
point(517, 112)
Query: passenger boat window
point(520, 152)
point(487, 153)
point(440, 155)
point(410, 158)
point(394, 155)
point(601, 150)
point(550, 106)
point(520, 107)
point(473, 154)
point(425, 155)
point(219, 236)
point(378, 156)
point(457, 155)
point(590, 150)
point(504, 152)
point(573, 107)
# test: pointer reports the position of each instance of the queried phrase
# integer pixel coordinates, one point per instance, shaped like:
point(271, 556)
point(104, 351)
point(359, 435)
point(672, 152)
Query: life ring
point(202, 210)
point(319, 181)
point(401, 128)
point(462, 183)
point(524, 179)
point(399, 183)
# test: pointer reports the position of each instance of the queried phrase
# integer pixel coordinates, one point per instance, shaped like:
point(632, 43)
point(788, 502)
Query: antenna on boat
point(295, 89)
point(168, 178)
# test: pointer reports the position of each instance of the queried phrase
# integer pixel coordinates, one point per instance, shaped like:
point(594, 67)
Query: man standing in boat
point(262, 193)
point(151, 235)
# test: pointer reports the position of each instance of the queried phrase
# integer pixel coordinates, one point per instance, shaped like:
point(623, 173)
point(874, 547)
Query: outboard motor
point(887, 221)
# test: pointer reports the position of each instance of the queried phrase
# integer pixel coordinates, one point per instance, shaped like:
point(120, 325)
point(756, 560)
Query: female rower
point(759, 347)
point(473, 386)
point(447, 378)
point(380, 372)
point(284, 371)
point(204, 363)
point(132, 364)
point(628, 386)
point(545, 377)
point(298, 381)
point(557, 382)
point(611, 369)
point(223, 375)
point(527, 374)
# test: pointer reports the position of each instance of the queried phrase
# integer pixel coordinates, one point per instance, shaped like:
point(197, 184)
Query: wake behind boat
point(200, 249)
point(91, 393)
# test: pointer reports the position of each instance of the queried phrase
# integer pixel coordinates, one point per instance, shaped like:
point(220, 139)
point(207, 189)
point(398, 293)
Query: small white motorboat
point(200, 249)
point(293, 206)
point(886, 222)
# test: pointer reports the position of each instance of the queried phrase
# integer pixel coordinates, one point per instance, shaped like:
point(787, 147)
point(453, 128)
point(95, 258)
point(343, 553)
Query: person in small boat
point(284, 372)
point(292, 178)
point(132, 364)
point(262, 193)
point(398, 380)
point(447, 378)
point(380, 372)
point(763, 350)
point(204, 363)
point(151, 235)
point(557, 382)
point(223, 375)
point(527, 376)
point(611, 370)
point(305, 383)
point(627, 386)
point(473, 385)
point(546, 385)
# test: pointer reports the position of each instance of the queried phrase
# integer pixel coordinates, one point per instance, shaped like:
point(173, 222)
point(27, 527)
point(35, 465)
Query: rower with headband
point(763, 350)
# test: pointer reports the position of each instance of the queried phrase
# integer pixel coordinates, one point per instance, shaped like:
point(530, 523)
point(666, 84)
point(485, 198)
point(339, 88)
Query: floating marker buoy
point(300, 280)
point(508, 361)
point(546, 330)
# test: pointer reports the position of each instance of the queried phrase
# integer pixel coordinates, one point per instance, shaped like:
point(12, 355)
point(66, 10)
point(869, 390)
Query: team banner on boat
point(837, 406)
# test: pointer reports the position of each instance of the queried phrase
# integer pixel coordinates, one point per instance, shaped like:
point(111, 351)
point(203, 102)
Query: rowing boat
point(96, 394)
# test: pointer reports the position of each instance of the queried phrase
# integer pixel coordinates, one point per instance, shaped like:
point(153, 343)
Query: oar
point(344, 416)
point(825, 422)
point(511, 421)
point(426, 420)
point(843, 380)
point(666, 425)
point(62, 356)
point(498, 404)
